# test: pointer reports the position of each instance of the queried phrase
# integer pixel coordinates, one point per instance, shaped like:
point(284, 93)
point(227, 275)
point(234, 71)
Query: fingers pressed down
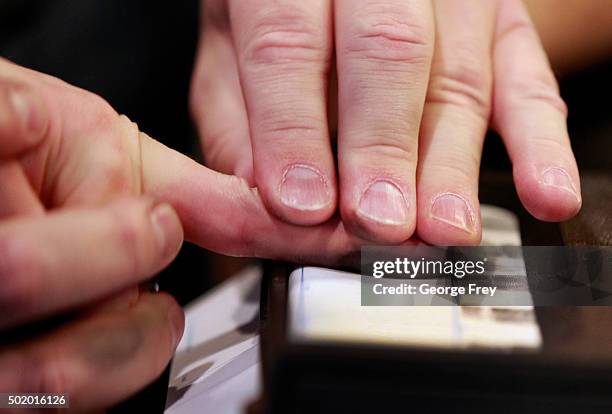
point(531, 118)
point(455, 122)
point(284, 51)
point(383, 52)
point(221, 213)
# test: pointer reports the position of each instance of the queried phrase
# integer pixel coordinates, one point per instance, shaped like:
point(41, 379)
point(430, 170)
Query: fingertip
point(551, 205)
point(552, 195)
point(382, 213)
point(304, 195)
point(449, 219)
point(546, 202)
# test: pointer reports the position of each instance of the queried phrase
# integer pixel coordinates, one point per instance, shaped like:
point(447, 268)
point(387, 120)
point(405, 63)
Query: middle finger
point(384, 52)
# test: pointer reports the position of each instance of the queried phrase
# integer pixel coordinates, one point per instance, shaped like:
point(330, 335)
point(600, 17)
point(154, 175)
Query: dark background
point(138, 55)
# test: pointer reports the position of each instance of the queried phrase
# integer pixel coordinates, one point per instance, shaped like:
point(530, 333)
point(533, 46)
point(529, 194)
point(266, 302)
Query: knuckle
point(463, 82)
point(112, 173)
point(554, 147)
point(283, 124)
point(542, 89)
point(377, 34)
point(115, 162)
point(518, 25)
point(100, 114)
point(395, 149)
point(464, 172)
point(21, 265)
point(112, 162)
point(286, 35)
point(105, 114)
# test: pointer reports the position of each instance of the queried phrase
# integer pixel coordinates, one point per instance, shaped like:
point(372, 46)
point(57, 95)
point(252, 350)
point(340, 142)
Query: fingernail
point(176, 317)
point(167, 227)
point(453, 210)
point(384, 202)
point(27, 110)
point(558, 178)
point(304, 188)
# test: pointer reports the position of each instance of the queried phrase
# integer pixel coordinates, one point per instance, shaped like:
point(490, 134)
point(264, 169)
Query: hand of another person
point(419, 82)
point(91, 207)
point(77, 235)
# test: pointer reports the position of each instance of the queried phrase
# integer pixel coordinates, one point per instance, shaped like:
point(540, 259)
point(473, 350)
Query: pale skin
point(414, 102)
point(77, 180)
point(90, 208)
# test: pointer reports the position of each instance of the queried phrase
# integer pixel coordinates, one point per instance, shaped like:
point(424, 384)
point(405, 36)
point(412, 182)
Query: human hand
point(90, 207)
point(414, 102)
point(76, 235)
point(88, 211)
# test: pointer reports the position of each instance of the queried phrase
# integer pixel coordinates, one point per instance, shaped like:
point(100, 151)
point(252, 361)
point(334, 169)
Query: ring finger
point(455, 122)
